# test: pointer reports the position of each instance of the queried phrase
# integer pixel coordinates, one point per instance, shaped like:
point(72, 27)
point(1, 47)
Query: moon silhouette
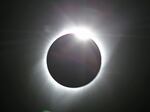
point(72, 62)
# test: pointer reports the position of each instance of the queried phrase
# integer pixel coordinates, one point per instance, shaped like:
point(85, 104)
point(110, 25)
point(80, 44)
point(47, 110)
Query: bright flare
point(82, 33)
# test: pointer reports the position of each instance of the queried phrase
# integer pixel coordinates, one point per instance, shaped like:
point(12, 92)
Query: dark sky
point(24, 29)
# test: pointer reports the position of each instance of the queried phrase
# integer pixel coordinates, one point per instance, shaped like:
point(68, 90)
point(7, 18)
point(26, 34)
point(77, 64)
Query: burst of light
point(82, 33)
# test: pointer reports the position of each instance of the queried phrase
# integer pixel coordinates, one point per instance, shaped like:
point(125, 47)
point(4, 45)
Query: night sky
point(26, 27)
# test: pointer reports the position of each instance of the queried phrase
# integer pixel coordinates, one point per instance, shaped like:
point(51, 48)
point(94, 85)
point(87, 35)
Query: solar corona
point(74, 59)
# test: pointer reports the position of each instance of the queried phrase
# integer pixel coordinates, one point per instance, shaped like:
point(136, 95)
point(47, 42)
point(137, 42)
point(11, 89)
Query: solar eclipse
point(73, 62)
point(74, 58)
point(101, 67)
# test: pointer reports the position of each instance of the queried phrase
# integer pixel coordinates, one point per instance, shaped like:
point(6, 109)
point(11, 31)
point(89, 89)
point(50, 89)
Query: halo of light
point(76, 30)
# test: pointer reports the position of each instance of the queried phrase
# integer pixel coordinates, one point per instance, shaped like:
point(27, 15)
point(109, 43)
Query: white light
point(82, 33)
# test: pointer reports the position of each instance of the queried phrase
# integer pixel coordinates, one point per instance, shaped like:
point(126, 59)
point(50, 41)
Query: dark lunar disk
point(73, 62)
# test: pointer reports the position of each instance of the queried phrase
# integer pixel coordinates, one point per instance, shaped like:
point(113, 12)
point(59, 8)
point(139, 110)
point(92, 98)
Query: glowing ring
point(74, 30)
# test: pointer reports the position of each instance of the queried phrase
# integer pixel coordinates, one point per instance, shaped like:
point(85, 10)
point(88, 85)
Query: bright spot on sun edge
point(82, 33)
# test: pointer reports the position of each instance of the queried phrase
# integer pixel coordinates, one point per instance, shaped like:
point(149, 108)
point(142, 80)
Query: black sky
point(24, 29)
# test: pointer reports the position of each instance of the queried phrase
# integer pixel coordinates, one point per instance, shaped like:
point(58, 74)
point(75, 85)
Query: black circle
point(72, 62)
